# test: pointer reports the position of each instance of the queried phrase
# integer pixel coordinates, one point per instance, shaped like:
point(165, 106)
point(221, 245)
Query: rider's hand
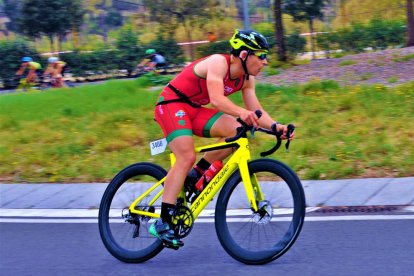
point(282, 129)
point(250, 118)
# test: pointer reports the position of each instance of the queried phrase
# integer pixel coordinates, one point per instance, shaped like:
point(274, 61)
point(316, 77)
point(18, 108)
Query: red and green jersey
point(195, 86)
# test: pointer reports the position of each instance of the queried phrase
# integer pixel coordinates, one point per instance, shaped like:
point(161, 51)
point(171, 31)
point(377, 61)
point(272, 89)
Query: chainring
point(182, 221)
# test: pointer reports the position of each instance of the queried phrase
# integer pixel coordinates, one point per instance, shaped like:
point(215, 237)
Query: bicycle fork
point(251, 186)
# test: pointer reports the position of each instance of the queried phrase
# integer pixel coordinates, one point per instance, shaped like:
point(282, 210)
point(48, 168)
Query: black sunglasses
point(260, 55)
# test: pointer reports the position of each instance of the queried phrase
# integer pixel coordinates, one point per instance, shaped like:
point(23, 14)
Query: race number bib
point(158, 146)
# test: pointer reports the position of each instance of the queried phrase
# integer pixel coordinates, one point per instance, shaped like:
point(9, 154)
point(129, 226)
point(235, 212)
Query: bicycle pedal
point(167, 245)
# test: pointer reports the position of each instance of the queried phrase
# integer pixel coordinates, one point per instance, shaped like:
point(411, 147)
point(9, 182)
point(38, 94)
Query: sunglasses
point(260, 55)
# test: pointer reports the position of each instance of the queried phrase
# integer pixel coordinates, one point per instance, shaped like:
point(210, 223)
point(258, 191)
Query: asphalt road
point(363, 245)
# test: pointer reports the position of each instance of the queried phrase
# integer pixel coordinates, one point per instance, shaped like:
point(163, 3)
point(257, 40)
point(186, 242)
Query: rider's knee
point(187, 160)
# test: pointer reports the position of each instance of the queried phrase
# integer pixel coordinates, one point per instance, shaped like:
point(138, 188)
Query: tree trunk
point(343, 14)
point(75, 38)
point(52, 47)
point(410, 23)
point(190, 40)
point(103, 27)
point(311, 38)
point(280, 37)
point(61, 38)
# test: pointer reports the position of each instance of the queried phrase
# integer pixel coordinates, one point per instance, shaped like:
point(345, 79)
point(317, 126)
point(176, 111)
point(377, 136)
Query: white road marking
point(207, 216)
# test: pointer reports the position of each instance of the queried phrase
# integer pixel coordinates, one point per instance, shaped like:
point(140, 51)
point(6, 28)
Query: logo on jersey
point(228, 90)
point(236, 83)
point(180, 114)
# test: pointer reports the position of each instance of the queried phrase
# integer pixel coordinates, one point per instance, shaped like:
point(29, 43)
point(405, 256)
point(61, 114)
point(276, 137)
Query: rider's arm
point(48, 70)
point(252, 103)
point(143, 62)
point(58, 70)
point(21, 69)
point(216, 70)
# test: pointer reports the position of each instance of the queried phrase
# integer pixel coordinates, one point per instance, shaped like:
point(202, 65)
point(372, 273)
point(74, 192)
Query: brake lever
point(290, 129)
point(252, 130)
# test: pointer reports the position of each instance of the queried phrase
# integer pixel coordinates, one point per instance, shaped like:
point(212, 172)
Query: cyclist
point(56, 69)
point(181, 113)
point(32, 66)
point(152, 60)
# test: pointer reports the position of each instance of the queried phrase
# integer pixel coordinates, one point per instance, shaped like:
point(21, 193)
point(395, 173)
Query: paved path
point(346, 192)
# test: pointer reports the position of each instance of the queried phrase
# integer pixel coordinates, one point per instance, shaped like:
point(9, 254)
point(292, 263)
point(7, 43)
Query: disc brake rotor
point(264, 213)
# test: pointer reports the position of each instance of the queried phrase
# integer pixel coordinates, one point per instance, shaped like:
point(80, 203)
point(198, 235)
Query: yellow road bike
point(258, 214)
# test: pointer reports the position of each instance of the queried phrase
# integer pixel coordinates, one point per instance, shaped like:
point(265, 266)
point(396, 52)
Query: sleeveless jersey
point(195, 86)
point(35, 65)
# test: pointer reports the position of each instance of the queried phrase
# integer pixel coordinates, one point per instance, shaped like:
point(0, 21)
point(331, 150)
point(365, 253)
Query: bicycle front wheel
point(263, 236)
point(125, 235)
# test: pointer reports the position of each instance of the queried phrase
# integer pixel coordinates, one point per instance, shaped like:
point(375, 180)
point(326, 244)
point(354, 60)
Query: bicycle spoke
point(125, 234)
point(259, 237)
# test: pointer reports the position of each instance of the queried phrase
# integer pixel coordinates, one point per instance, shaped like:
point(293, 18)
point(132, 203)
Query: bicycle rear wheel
point(263, 236)
point(125, 235)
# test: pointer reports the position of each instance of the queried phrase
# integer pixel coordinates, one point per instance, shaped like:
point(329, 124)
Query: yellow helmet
point(248, 39)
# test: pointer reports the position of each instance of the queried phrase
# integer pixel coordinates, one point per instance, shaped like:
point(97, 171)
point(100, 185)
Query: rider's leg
point(31, 77)
point(224, 127)
point(183, 149)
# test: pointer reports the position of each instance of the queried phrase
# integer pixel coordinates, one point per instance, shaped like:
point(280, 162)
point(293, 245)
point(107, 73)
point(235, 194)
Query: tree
point(128, 51)
point(188, 13)
point(53, 18)
point(280, 37)
point(167, 46)
point(306, 10)
point(12, 10)
point(410, 23)
point(106, 19)
point(76, 14)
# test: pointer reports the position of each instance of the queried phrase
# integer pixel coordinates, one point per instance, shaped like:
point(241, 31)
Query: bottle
point(214, 168)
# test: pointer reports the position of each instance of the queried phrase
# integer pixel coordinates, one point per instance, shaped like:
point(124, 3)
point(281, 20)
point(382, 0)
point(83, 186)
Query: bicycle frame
point(238, 160)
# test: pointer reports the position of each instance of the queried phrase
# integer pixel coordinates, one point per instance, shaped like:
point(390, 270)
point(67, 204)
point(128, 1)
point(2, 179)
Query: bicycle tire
point(276, 228)
point(114, 230)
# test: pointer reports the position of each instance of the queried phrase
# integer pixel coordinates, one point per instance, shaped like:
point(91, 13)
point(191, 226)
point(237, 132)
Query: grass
point(392, 79)
point(404, 58)
point(89, 133)
point(347, 62)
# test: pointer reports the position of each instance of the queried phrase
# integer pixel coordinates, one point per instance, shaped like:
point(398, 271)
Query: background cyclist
point(56, 69)
point(181, 113)
point(32, 68)
point(152, 61)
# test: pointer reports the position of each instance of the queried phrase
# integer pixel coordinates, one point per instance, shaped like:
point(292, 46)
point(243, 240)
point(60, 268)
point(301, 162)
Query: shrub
point(98, 61)
point(295, 44)
point(129, 54)
point(377, 34)
point(11, 53)
point(220, 47)
point(168, 48)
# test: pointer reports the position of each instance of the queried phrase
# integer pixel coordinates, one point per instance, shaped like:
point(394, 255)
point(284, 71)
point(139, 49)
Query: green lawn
point(89, 133)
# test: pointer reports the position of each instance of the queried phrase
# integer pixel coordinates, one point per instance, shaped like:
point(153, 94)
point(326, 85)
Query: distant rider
point(152, 60)
point(32, 67)
point(56, 69)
